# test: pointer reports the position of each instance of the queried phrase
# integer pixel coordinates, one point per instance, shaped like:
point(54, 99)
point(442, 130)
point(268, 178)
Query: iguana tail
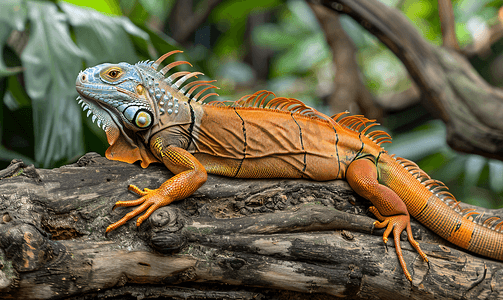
point(429, 201)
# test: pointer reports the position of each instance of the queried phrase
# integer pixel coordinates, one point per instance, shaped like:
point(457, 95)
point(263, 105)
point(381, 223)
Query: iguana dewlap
point(149, 118)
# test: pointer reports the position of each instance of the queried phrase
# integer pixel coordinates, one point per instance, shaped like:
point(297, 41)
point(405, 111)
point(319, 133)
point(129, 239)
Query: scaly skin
point(150, 118)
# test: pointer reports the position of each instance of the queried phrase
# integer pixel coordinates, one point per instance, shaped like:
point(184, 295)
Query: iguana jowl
point(150, 118)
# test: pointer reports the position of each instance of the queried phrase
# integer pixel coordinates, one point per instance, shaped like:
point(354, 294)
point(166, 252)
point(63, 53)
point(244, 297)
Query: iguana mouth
point(90, 111)
point(100, 114)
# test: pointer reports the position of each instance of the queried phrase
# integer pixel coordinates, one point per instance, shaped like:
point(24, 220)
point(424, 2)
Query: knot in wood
point(167, 218)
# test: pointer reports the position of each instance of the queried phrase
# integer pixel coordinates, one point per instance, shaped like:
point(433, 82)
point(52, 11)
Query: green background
point(46, 43)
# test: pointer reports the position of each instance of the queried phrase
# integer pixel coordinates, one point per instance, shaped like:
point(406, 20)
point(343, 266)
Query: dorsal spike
point(351, 118)
point(498, 226)
point(208, 95)
point(376, 133)
point(337, 116)
point(156, 63)
point(176, 75)
point(165, 70)
point(471, 213)
point(184, 78)
point(445, 193)
point(431, 182)
point(216, 103)
point(467, 210)
point(263, 96)
point(439, 189)
point(348, 121)
point(248, 101)
point(358, 126)
point(368, 127)
point(245, 100)
point(381, 140)
point(201, 92)
point(197, 82)
point(198, 86)
point(489, 221)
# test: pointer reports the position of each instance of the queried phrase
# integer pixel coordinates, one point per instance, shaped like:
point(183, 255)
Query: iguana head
point(130, 102)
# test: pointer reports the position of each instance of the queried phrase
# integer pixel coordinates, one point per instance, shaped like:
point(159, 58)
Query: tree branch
point(294, 235)
point(471, 109)
point(448, 24)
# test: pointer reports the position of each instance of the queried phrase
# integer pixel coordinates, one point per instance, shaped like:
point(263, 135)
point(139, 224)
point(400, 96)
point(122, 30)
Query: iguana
point(149, 117)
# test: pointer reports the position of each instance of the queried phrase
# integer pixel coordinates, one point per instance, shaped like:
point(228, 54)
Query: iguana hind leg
point(189, 176)
point(389, 209)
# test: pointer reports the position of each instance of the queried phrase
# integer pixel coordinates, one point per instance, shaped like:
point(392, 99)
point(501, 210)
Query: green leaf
point(52, 62)
point(416, 145)
point(157, 8)
point(236, 11)
point(302, 56)
point(272, 36)
point(102, 38)
point(13, 14)
point(304, 14)
point(17, 93)
point(496, 175)
point(110, 7)
point(473, 169)
point(161, 42)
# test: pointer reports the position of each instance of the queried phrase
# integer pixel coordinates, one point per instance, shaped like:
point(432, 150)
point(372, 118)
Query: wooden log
point(234, 238)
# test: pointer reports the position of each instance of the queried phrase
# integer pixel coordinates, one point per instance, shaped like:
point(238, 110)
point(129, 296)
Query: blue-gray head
point(131, 101)
point(114, 94)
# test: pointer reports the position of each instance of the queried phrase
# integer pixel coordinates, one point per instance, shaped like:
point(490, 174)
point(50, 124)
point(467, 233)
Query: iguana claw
point(150, 201)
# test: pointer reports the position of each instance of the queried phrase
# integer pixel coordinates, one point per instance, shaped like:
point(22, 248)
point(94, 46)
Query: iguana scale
point(149, 117)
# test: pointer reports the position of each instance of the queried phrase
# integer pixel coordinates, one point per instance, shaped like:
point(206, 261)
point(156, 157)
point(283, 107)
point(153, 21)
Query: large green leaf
point(109, 7)
point(52, 62)
point(102, 38)
point(161, 42)
point(12, 16)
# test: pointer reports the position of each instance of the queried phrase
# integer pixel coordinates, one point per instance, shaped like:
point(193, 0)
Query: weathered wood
point(293, 235)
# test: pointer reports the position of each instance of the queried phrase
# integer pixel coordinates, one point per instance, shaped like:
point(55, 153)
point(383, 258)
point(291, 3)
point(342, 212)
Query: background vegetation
point(246, 45)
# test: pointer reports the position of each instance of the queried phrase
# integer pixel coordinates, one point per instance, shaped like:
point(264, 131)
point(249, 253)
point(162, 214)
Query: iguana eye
point(113, 73)
point(143, 119)
point(138, 116)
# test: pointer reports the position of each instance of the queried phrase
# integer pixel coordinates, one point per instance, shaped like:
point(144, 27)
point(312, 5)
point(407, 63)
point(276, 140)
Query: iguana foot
point(190, 175)
point(151, 199)
point(389, 209)
point(397, 224)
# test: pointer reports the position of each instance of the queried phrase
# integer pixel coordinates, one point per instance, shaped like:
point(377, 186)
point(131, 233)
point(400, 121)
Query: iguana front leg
point(189, 176)
point(389, 209)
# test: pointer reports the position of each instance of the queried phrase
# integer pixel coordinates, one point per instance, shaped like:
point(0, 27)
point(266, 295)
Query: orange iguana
point(150, 118)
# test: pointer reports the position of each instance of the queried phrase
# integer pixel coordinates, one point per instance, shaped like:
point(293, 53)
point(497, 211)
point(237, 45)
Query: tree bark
point(234, 239)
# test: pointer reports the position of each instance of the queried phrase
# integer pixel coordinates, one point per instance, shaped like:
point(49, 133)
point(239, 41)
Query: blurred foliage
point(41, 57)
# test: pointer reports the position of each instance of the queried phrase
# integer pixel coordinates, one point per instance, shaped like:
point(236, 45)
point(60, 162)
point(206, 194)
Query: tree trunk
point(233, 239)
